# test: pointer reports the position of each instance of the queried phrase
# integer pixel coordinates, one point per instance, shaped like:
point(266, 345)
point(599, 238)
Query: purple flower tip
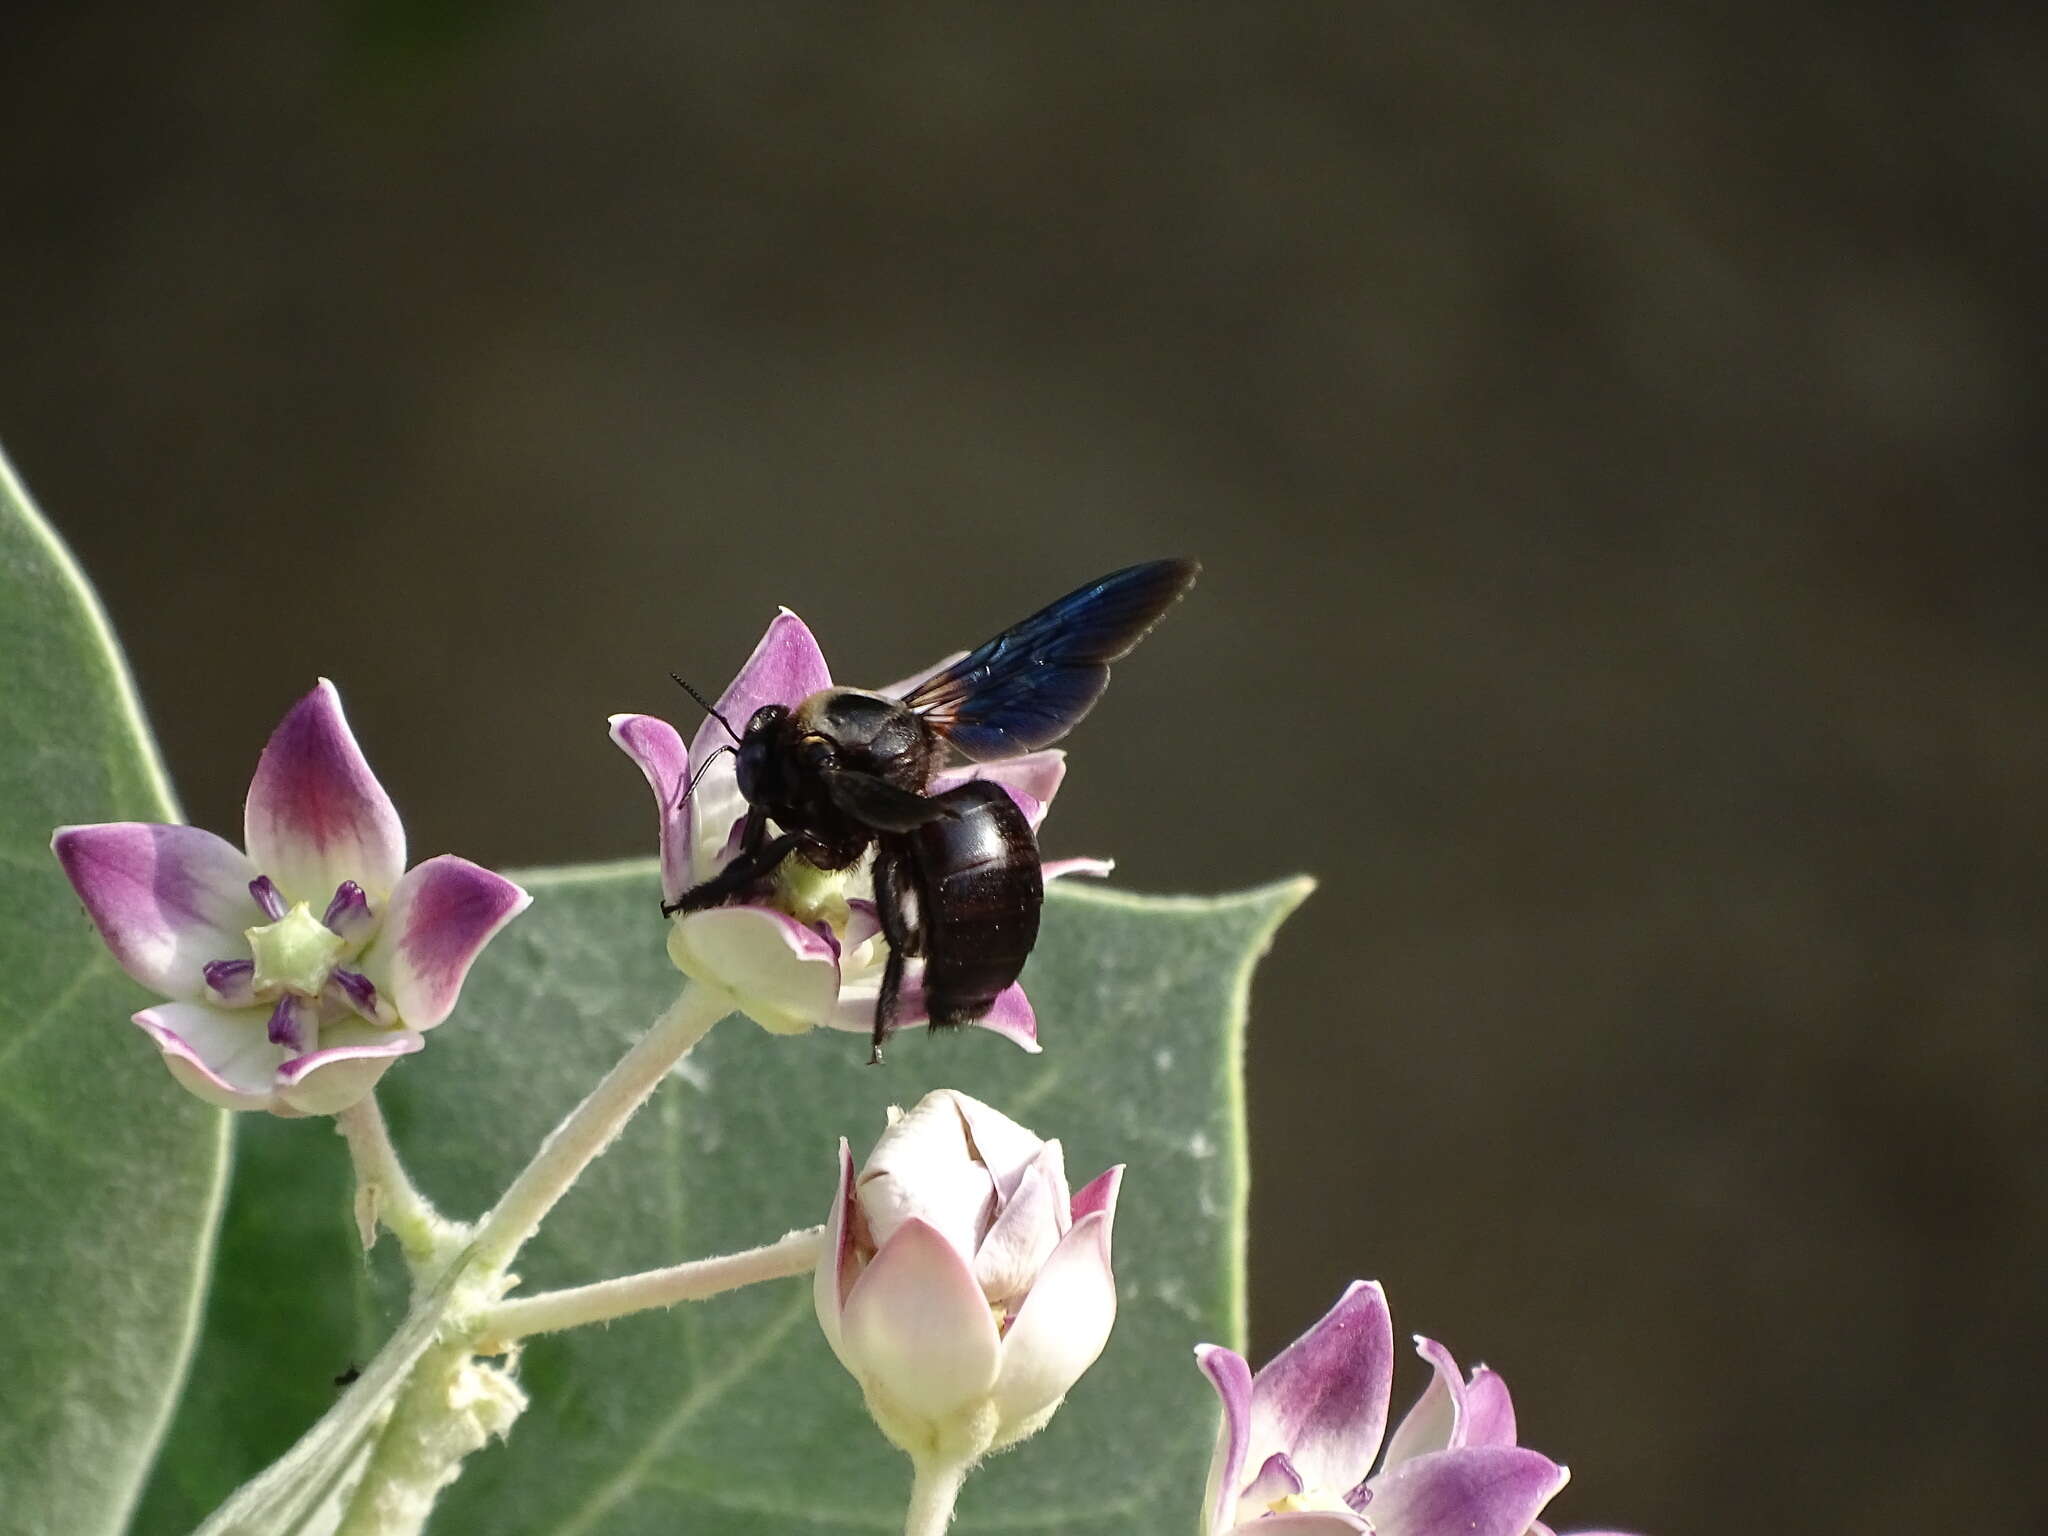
point(232, 981)
point(284, 1024)
point(268, 897)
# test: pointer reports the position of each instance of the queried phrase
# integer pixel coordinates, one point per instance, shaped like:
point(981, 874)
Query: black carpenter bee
point(956, 875)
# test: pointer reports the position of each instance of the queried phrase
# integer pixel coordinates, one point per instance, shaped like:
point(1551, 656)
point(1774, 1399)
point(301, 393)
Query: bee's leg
point(757, 857)
point(896, 906)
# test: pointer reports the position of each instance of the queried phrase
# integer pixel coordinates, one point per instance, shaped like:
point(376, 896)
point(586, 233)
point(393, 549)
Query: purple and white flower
point(271, 1007)
point(1296, 1453)
point(961, 1283)
point(812, 955)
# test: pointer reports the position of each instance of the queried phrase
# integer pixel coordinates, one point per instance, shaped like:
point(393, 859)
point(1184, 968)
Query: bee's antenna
point(710, 708)
point(702, 768)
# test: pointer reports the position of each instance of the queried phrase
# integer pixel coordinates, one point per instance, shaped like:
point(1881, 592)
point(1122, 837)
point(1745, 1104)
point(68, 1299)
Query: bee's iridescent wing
point(1033, 683)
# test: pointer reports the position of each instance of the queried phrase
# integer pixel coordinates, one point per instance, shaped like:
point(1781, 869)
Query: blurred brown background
point(1612, 434)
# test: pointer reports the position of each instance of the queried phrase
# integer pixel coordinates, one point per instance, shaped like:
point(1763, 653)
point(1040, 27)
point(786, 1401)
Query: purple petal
point(1031, 780)
point(1323, 1399)
point(316, 815)
point(165, 899)
point(1437, 1421)
point(1099, 1194)
point(1489, 1411)
point(440, 917)
point(1478, 1491)
point(663, 760)
point(1232, 1379)
point(838, 1264)
point(1059, 869)
point(786, 667)
point(854, 1010)
point(352, 1056)
point(224, 1057)
point(1011, 1016)
point(863, 922)
point(781, 974)
point(1277, 1480)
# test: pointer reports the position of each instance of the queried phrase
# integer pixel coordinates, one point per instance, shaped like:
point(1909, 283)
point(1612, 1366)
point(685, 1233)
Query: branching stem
point(593, 1125)
point(552, 1311)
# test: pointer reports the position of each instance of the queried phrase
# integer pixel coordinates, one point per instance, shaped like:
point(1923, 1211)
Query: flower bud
point(961, 1283)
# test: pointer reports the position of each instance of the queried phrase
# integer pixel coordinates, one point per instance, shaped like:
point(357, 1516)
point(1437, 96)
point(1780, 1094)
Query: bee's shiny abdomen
point(979, 891)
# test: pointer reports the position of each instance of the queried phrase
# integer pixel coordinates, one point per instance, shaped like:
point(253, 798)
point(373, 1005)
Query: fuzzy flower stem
point(383, 1191)
point(932, 1492)
point(593, 1125)
point(793, 1254)
point(450, 1408)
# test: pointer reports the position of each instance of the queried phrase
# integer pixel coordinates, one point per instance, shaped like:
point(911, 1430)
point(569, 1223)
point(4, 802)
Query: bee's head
point(757, 766)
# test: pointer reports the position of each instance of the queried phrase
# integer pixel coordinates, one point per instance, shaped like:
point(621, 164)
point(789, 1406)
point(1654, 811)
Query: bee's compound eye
point(765, 716)
point(815, 752)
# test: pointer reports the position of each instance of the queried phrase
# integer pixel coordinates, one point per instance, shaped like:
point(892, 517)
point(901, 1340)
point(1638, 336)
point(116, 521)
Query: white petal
point(784, 976)
point(917, 1329)
point(223, 1056)
point(1062, 1326)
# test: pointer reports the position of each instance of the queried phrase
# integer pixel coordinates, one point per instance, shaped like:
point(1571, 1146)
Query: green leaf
point(111, 1176)
point(731, 1415)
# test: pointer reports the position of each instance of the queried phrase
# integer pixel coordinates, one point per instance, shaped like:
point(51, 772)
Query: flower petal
point(1059, 869)
point(1323, 1399)
point(1277, 1479)
point(1010, 1015)
point(440, 917)
point(224, 1057)
point(1099, 1193)
point(1027, 1228)
point(838, 1266)
point(1005, 1148)
point(783, 974)
point(1437, 1421)
point(786, 667)
point(316, 815)
point(923, 1169)
point(1059, 1330)
point(658, 749)
point(1489, 1411)
point(1309, 1523)
point(1031, 780)
point(1479, 1491)
point(352, 1056)
point(1232, 1379)
point(917, 1329)
point(167, 900)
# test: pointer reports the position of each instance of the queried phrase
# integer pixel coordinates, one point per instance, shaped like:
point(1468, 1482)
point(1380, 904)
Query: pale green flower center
point(295, 954)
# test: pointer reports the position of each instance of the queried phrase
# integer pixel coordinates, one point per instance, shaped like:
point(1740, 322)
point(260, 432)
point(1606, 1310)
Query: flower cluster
point(811, 955)
point(1299, 1441)
point(271, 1007)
